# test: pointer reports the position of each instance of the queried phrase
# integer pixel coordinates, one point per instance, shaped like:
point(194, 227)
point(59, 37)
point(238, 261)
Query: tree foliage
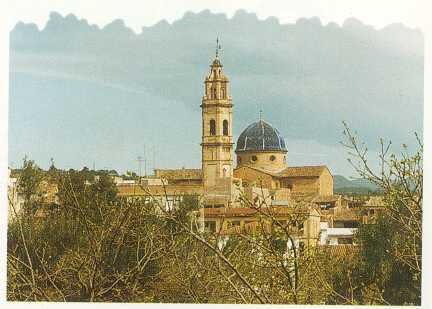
point(93, 245)
point(390, 255)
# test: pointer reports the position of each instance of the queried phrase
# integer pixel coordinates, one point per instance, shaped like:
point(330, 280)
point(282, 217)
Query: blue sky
point(80, 99)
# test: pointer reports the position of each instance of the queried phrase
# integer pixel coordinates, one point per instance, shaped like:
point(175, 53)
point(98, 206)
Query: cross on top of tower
point(218, 47)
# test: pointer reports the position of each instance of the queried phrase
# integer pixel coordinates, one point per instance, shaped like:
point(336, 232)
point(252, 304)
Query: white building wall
point(330, 236)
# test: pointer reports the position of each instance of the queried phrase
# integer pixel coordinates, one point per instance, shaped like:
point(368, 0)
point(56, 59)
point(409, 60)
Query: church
point(261, 154)
point(261, 171)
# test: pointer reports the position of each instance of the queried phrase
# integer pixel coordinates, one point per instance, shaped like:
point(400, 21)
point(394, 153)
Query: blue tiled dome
point(260, 136)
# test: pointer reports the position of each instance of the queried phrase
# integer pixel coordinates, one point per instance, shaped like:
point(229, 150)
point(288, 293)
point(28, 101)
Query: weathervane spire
point(218, 47)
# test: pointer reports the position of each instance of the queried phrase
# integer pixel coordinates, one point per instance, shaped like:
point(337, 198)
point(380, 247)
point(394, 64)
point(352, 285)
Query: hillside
point(343, 185)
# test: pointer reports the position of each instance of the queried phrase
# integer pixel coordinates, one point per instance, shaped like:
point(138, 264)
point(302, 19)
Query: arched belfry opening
point(225, 127)
point(212, 127)
point(223, 93)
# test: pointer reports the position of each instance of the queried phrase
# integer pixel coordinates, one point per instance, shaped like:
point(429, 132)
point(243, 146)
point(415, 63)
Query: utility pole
point(154, 157)
point(145, 161)
point(140, 160)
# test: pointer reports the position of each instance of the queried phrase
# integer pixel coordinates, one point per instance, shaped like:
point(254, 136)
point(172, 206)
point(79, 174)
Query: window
point(213, 93)
point(224, 171)
point(223, 93)
point(301, 246)
point(212, 127)
point(235, 223)
point(300, 226)
point(238, 160)
point(350, 224)
point(210, 226)
point(254, 158)
point(225, 127)
point(272, 158)
point(325, 206)
point(345, 241)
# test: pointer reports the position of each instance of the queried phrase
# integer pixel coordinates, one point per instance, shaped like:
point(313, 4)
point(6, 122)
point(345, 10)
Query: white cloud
point(145, 13)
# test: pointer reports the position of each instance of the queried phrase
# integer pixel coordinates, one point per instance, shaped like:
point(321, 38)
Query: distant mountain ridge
point(341, 183)
point(75, 81)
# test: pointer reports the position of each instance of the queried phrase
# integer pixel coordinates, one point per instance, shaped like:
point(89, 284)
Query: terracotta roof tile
point(293, 171)
point(137, 190)
point(248, 212)
point(325, 198)
point(302, 171)
point(182, 173)
point(248, 228)
point(346, 214)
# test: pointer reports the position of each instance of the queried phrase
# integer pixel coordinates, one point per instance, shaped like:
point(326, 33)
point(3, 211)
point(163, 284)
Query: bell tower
point(217, 140)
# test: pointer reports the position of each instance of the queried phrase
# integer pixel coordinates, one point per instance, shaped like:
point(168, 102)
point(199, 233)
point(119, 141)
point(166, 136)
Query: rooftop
point(177, 174)
point(293, 171)
point(249, 212)
point(158, 190)
point(302, 171)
